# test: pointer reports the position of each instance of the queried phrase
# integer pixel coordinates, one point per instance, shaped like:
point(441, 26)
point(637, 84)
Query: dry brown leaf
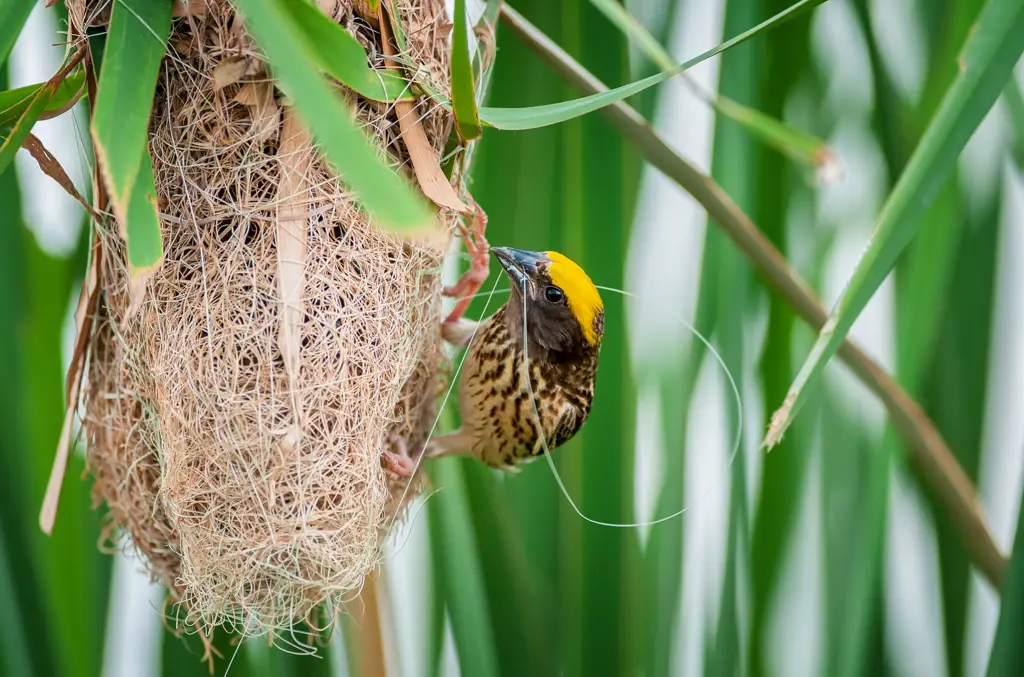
point(259, 97)
point(293, 192)
point(228, 72)
point(425, 163)
point(52, 168)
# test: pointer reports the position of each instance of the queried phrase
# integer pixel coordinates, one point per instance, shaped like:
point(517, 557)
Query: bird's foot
point(479, 264)
point(398, 464)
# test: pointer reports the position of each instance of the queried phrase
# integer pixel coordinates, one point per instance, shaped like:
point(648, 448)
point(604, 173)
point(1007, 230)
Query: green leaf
point(142, 225)
point(124, 99)
point(1015, 108)
point(990, 54)
point(550, 114)
point(341, 56)
point(13, 15)
point(1007, 655)
point(390, 200)
point(797, 144)
point(451, 531)
point(13, 140)
point(14, 102)
point(467, 118)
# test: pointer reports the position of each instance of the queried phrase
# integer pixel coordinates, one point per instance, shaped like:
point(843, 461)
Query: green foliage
point(522, 582)
point(992, 49)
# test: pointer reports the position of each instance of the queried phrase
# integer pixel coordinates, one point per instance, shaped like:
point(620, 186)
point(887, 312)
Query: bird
point(562, 335)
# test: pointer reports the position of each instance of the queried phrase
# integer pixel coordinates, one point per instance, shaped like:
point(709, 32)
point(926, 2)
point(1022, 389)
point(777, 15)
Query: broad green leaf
point(389, 199)
point(13, 15)
point(124, 99)
point(452, 532)
point(142, 225)
point(12, 140)
point(1007, 655)
point(14, 102)
point(551, 114)
point(990, 54)
point(797, 144)
point(341, 56)
point(467, 118)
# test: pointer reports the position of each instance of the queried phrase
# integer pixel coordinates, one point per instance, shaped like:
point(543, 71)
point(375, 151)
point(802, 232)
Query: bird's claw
point(398, 464)
point(479, 265)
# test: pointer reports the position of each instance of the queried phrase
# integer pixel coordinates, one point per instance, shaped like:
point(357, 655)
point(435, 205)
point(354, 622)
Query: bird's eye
point(554, 295)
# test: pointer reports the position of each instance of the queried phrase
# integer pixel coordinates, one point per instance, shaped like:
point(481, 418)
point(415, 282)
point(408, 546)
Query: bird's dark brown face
point(564, 313)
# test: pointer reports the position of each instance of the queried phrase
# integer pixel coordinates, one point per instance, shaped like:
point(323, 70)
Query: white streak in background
point(663, 266)
point(647, 457)
point(449, 656)
point(708, 440)
point(663, 262)
point(409, 585)
point(134, 625)
point(1001, 459)
point(913, 593)
point(338, 655)
point(981, 162)
point(794, 628)
point(897, 28)
point(51, 214)
point(839, 48)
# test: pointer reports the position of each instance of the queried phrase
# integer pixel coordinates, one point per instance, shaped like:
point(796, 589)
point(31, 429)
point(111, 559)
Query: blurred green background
point(826, 557)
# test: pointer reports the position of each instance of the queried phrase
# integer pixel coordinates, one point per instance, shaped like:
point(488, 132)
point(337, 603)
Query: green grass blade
point(1007, 654)
point(341, 56)
point(131, 63)
point(14, 102)
point(465, 589)
point(797, 144)
point(467, 117)
point(13, 15)
point(1015, 108)
point(142, 225)
point(990, 54)
point(13, 139)
point(551, 114)
point(390, 200)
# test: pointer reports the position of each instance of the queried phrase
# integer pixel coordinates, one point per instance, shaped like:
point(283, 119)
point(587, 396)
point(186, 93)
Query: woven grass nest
point(250, 481)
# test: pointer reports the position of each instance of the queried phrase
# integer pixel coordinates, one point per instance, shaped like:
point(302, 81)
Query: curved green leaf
point(14, 102)
point(1007, 655)
point(142, 225)
point(390, 200)
point(131, 63)
point(17, 136)
point(551, 114)
point(339, 55)
point(992, 49)
point(467, 118)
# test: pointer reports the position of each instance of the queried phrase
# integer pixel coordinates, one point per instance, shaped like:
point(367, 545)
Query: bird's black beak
point(520, 264)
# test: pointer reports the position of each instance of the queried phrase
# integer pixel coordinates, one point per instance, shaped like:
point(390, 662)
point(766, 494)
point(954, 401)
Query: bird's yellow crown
point(580, 292)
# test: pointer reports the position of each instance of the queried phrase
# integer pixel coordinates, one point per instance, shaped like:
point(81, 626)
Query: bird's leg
point(457, 443)
point(479, 252)
point(398, 464)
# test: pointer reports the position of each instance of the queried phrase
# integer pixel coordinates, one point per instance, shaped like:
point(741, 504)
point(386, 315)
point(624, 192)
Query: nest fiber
point(236, 419)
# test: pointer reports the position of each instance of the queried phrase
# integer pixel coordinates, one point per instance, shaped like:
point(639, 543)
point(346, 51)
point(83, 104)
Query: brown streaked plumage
point(564, 325)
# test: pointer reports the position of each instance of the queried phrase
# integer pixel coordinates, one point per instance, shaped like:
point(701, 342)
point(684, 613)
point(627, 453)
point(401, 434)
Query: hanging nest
point(235, 420)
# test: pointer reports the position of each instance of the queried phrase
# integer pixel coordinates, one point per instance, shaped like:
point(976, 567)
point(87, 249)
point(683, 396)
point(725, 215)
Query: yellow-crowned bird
point(563, 329)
